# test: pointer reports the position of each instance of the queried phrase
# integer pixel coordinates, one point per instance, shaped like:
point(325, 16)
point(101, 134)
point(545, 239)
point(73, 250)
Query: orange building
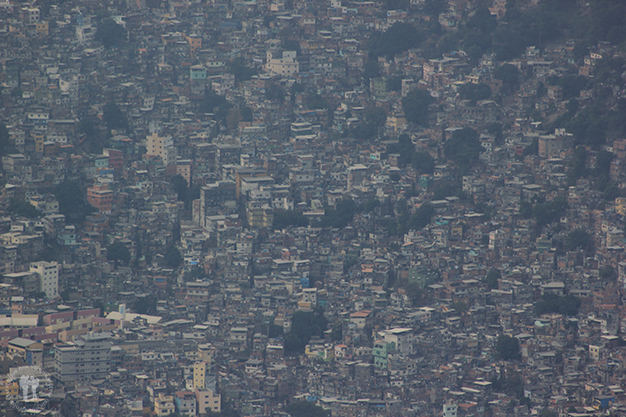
point(195, 43)
point(100, 197)
point(116, 159)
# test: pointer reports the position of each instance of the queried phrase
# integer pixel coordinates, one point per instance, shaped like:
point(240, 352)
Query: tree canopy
point(341, 215)
point(173, 258)
point(306, 409)
point(415, 105)
point(286, 218)
point(507, 348)
point(241, 71)
point(578, 239)
point(304, 325)
point(114, 117)
point(146, 304)
point(492, 278)
point(72, 203)
point(398, 38)
point(118, 252)
point(509, 75)
point(549, 211)
point(463, 148)
point(552, 303)
point(5, 146)
point(110, 33)
point(374, 119)
point(475, 92)
point(24, 209)
point(422, 161)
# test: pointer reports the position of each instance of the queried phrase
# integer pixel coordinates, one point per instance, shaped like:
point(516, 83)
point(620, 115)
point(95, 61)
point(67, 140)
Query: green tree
point(146, 304)
point(509, 75)
point(304, 325)
point(483, 20)
point(114, 117)
point(118, 252)
point(404, 148)
point(507, 348)
point(93, 136)
point(421, 217)
point(397, 39)
point(415, 293)
point(394, 83)
point(375, 117)
point(5, 145)
point(24, 209)
point(492, 278)
point(370, 69)
point(553, 303)
point(275, 92)
point(315, 101)
point(549, 211)
point(241, 71)
point(434, 7)
point(275, 331)
point(463, 148)
point(423, 162)
point(569, 305)
point(286, 218)
point(110, 33)
point(176, 232)
point(607, 273)
point(337, 331)
point(179, 184)
point(415, 105)
point(578, 239)
point(341, 215)
point(306, 409)
point(246, 114)
point(474, 92)
point(459, 307)
point(173, 258)
point(72, 202)
point(532, 149)
point(513, 385)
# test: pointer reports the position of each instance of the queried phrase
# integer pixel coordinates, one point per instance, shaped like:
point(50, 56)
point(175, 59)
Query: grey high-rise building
point(88, 357)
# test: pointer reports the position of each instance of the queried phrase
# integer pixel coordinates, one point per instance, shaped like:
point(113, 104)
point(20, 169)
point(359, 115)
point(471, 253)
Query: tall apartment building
point(217, 198)
point(87, 358)
point(285, 65)
point(208, 400)
point(162, 147)
point(48, 277)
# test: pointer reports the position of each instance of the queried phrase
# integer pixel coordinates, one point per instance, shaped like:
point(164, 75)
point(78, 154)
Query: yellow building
point(259, 216)
point(39, 140)
point(200, 373)
point(396, 122)
point(9, 391)
point(42, 28)
point(205, 353)
point(620, 205)
point(164, 405)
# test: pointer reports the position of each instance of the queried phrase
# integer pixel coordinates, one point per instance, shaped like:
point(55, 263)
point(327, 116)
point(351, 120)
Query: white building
point(286, 66)
point(450, 410)
point(48, 277)
point(403, 339)
point(87, 358)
